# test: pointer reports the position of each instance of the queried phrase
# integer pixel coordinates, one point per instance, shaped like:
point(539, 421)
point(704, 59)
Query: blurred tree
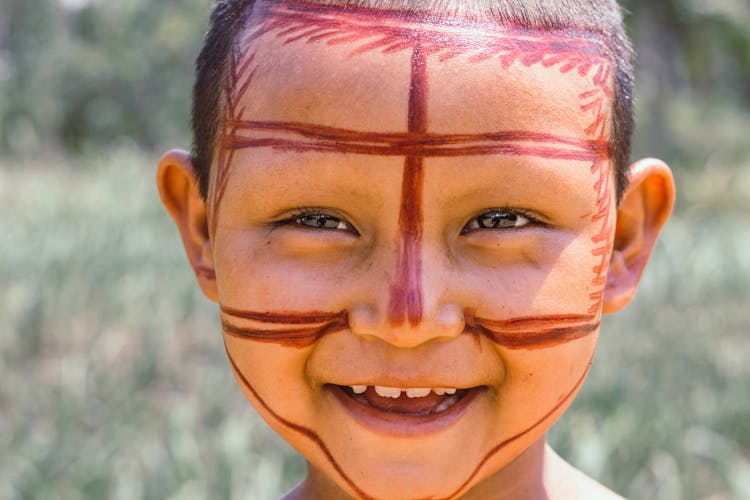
point(693, 77)
point(79, 74)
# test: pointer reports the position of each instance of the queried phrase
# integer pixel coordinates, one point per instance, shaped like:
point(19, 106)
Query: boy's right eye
point(322, 221)
point(318, 219)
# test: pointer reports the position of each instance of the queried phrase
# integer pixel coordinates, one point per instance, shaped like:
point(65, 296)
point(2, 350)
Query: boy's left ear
point(643, 211)
point(178, 187)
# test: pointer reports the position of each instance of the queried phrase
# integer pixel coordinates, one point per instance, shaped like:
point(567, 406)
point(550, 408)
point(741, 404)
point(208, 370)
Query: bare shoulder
point(565, 481)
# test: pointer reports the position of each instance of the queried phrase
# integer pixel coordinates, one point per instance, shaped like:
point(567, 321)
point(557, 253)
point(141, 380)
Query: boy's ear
point(643, 211)
point(178, 188)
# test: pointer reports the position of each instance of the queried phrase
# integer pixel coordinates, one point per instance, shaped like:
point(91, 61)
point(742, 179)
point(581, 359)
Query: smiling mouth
point(404, 412)
point(406, 402)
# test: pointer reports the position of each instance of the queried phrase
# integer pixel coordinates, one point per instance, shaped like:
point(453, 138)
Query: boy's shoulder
point(569, 482)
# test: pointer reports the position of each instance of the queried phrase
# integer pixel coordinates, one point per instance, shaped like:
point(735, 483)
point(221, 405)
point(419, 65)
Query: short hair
point(604, 17)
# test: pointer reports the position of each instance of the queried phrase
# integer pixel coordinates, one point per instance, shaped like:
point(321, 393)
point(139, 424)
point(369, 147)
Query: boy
point(412, 215)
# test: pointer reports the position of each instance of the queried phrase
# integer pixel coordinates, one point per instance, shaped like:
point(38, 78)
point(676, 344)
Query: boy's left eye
point(496, 219)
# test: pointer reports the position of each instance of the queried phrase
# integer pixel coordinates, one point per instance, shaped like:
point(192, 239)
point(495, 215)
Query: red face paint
point(303, 137)
point(300, 429)
point(303, 329)
point(406, 291)
point(534, 332)
point(286, 329)
point(390, 32)
point(315, 438)
point(236, 84)
point(498, 447)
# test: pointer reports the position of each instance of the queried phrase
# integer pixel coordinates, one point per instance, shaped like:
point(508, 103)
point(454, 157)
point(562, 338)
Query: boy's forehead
point(355, 70)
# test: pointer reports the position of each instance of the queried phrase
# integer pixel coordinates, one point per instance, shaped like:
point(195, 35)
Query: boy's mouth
point(416, 402)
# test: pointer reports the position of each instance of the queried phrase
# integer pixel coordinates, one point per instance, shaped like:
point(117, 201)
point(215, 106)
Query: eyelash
point(531, 220)
point(299, 213)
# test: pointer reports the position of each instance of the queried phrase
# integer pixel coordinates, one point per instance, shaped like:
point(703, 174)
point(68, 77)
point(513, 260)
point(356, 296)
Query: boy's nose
point(415, 307)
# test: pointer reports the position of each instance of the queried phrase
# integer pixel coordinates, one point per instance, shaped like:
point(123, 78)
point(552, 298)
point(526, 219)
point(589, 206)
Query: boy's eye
point(323, 221)
point(496, 219)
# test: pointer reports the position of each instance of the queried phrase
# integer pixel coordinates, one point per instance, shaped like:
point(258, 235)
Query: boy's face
point(409, 205)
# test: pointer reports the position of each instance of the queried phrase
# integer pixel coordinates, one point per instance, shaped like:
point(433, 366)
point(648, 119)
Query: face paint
point(406, 292)
point(431, 42)
point(564, 52)
point(286, 329)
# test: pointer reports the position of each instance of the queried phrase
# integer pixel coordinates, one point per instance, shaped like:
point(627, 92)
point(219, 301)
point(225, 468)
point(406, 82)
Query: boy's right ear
point(178, 188)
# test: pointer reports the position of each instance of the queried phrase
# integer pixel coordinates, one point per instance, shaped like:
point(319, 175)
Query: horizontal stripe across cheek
point(303, 329)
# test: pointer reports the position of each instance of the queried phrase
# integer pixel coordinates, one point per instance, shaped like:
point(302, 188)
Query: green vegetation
point(113, 378)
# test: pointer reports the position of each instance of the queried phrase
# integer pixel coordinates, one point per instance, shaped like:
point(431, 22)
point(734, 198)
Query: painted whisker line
point(290, 337)
point(295, 318)
point(535, 339)
point(286, 329)
point(534, 332)
point(537, 321)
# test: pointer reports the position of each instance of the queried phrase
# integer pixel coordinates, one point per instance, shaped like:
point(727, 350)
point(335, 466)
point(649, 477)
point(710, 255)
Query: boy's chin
point(398, 479)
point(429, 468)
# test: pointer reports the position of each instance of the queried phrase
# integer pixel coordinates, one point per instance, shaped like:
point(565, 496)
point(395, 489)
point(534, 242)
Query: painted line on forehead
point(388, 32)
point(406, 296)
point(533, 332)
point(287, 329)
point(393, 30)
point(497, 448)
point(300, 429)
point(304, 137)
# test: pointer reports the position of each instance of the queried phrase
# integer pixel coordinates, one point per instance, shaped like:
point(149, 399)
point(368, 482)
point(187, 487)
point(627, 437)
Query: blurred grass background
point(113, 378)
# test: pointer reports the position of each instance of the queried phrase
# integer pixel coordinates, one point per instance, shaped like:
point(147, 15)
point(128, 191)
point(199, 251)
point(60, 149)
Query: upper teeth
point(411, 392)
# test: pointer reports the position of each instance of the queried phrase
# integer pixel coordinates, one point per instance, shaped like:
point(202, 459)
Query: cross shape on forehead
point(388, 33)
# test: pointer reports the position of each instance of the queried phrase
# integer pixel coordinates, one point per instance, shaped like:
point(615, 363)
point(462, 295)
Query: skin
point(408, 290)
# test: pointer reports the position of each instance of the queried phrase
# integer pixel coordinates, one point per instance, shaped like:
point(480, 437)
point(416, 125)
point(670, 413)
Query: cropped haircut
point(603, 17)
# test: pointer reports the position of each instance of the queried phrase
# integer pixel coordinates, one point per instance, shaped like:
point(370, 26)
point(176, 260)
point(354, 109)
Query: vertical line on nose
point(406, 291)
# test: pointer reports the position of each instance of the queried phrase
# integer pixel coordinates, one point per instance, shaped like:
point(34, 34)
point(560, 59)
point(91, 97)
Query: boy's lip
point(394, 424)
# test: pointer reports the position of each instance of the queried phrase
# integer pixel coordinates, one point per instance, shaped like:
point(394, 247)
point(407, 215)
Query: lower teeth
point(445, 404)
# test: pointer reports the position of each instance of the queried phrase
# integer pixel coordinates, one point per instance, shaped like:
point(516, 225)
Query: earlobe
point(178, 188)
point(641, 215)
